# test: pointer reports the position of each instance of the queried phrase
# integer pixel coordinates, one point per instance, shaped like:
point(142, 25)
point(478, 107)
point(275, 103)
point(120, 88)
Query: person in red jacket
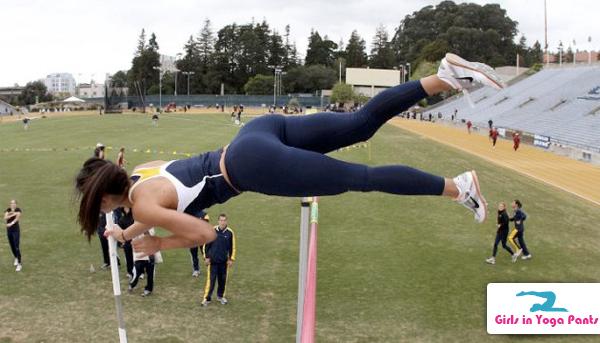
point(469, 125)
point(516, 140)
point(494, 135)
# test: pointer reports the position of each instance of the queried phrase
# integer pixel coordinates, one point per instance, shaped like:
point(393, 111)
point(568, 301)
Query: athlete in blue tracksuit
point(219, 256)
point(519, 218)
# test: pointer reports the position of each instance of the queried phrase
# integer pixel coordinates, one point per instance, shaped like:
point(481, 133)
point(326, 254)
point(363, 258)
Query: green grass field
point(391, 269)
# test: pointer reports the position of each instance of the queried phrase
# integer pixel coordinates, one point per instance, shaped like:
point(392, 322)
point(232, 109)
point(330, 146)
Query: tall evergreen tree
point(382, 53)
point(356, 56)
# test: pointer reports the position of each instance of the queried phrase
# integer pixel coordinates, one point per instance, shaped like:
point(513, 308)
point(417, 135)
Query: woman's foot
point(460, 73)
point(469, 195)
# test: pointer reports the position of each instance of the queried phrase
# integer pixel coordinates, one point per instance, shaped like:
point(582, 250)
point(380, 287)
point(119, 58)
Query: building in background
point(90, 90)
point(60, 84)
point(370, 82)
point(10, 93)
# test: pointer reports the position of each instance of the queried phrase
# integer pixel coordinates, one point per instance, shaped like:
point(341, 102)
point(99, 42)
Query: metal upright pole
point(303, 263)
point(114, 271)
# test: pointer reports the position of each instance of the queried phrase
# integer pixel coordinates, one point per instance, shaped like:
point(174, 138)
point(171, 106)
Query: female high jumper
point(274, 155)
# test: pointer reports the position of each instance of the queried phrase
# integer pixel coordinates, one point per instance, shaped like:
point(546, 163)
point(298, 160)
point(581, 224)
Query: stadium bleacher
point(560, 103)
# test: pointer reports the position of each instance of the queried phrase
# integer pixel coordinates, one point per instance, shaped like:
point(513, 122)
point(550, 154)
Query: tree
point(152, 43)
point(141, 43)
point(320, 50)
point(356, 55)
point(119, 79)
point(259, 85)
point(382, 53)
point(143, 63)
point(342, 93)
point(483, 33)
point(205, 43)
point(34, 91)
point(308, 79)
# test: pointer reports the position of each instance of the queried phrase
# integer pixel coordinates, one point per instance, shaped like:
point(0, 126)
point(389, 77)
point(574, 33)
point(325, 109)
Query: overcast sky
point(91, 38)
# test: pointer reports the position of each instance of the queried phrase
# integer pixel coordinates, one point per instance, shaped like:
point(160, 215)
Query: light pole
point(160, 75)
point(177, 58)
point(402, 73)
point(590, 50)
point(560, 50)
point(188, 73)
point(408, 66)
point(574, 49)
point(277, 72)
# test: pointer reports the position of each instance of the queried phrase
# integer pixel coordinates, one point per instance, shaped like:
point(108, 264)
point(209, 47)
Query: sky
point(89, 38)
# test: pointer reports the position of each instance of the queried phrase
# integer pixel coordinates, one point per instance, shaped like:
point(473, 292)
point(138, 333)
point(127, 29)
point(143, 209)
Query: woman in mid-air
point(274, 155)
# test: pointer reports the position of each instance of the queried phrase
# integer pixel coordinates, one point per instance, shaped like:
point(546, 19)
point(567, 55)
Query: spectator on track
point(516, 141)
point(494, 136)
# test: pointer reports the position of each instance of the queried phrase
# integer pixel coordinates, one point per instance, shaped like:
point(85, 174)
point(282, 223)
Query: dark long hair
point(97, 178)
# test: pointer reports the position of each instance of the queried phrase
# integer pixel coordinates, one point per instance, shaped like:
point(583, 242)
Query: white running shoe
point(519, 252)
point(515, 257)
point(195, 273)
point(222, 300)
point(491, 260)
point(460, 73)
point(19, 267)
point(470, 195)
point(16, 263)
point(526, 257)
point(205, 302)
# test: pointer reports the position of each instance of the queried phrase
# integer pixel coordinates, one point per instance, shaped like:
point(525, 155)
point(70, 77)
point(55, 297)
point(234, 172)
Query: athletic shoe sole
point(483, 201)
point(489, 74)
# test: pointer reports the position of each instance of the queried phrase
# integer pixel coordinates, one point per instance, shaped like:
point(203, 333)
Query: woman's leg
point(495, 250)
point(261, 163)
point(504, 245)
point(325, 132)
point(511, 239)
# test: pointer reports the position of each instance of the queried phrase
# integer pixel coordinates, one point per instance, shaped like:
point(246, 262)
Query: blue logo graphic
point(546, 306)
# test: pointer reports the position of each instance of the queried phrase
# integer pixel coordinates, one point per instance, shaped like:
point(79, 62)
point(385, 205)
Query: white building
point(60, 83)
point(370, 82)
point(90, 90)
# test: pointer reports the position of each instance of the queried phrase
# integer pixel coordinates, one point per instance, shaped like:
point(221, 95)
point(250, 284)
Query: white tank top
point(185, 195)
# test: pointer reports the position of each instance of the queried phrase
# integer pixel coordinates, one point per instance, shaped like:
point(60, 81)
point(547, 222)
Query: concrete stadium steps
point(548, 103)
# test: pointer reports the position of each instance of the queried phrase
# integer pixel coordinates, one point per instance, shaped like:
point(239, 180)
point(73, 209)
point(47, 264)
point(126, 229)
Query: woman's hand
point(116, 232)
point(146, 245)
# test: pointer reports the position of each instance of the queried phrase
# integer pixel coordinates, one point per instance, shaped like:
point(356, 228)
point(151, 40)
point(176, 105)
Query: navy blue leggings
point(279, 155)
point(14, 236)
point(501, 236)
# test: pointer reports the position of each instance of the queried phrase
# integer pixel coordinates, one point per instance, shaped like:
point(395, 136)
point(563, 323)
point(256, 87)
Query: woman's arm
point(16, 216)
point(187, 229)
point(8, 215)
point(129, 233)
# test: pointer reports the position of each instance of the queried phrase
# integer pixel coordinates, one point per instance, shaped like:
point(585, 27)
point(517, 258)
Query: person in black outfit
point(125, 220)
point(13, 231)
point(501, 233)
point(103, 241)
point(194, 250)
point(219, 256)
